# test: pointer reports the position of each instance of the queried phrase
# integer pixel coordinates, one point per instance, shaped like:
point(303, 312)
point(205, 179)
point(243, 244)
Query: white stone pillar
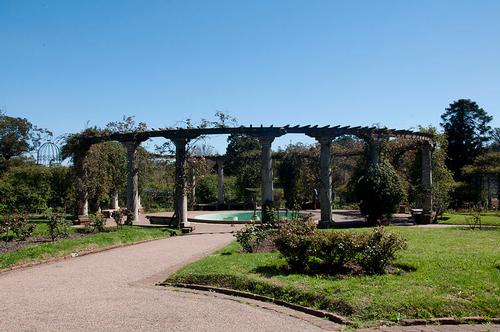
point(84, 209)
point(132, 180)
point(115, 205)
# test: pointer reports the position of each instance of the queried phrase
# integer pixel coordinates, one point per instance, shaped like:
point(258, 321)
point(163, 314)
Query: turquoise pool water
point(243, 216)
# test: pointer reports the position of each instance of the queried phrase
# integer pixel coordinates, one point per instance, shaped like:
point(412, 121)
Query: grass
point(40, 252)
point(488, 218)
point(449, 272)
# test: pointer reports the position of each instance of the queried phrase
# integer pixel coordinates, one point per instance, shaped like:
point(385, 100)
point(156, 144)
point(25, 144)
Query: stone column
point(84, 207)
point(325, 192)
point(267, 175)
point(220, 181)
point(82, 194)
point(193, 190)
point(114, 200)
point(180, 203)
point(427, 182)
point(132, 179)
point(374, 151)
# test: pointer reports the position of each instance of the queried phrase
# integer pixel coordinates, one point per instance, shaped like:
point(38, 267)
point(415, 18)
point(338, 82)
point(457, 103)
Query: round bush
point(380, 191)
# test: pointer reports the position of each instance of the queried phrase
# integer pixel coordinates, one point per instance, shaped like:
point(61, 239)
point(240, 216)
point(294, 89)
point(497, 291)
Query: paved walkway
point(114, 291)
point(343, 218)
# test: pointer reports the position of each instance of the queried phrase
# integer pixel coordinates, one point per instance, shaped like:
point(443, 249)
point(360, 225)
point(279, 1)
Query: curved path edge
point(115, 290)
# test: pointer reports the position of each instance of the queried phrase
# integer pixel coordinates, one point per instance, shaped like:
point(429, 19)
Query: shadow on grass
point(320, 270)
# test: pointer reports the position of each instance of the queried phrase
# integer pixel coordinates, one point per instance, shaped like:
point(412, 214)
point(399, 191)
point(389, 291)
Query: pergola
point(373, 136)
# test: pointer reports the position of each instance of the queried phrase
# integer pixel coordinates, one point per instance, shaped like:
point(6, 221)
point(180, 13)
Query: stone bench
point(162, 220)
point(168, 222)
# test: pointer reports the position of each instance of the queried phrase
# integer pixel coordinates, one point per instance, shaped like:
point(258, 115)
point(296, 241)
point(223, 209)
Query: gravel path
point(114, 291)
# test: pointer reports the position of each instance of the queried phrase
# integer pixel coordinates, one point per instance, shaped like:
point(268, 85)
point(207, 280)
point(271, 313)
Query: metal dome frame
point(48, 154)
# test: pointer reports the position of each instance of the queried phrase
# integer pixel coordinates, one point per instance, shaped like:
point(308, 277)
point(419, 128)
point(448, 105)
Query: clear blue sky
point(396, 63)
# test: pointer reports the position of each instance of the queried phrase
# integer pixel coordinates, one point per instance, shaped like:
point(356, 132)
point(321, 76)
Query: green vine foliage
point(380, 192)
point(298, 173)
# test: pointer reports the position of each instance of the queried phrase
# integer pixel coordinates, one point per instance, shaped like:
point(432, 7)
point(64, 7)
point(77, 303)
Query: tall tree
point(495, 139)
point(298, 174)
point(487, 167)
point(18, 136)
point(466, 127)
point(243, 161)
point(240, 149)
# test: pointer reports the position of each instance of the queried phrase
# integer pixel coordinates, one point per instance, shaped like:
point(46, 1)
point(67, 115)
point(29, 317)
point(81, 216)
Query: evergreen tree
point(466, 127)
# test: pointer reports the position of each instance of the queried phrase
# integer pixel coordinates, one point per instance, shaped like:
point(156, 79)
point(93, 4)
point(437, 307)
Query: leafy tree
point(248, 176)
point(126, 125)
point(486, 166)
point(100, 170)
point(380, 192)
point(25, 188)
point(206, 189)
point(443, 183)
point(240, 149)
point(243, 161)
point(156, 182)
point(18, 136)
point(466, 127)
point(61, 188)
point(495, 140)
point(298, 173)
point(106, 171)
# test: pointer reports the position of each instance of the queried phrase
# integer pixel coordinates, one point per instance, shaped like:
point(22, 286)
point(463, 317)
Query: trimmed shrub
point(58, 226)
point(335, 249)
point(370, 252)
point(118, 216)
point(20, 225)
point(206, 189)
point(4, 228)
point(380, 192)
point(295, 241)
point(129, 214)
point(97, 222)
point(257, 238)
point(376, 249)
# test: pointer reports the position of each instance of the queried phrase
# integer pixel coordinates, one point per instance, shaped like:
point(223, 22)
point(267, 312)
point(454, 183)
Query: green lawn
point(488, 219)
point(125, 235)
point(449, 272)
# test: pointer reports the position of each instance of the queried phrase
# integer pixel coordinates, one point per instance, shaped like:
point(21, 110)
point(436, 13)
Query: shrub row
point(255, 237)
point(18, 224)
point(304, 248)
